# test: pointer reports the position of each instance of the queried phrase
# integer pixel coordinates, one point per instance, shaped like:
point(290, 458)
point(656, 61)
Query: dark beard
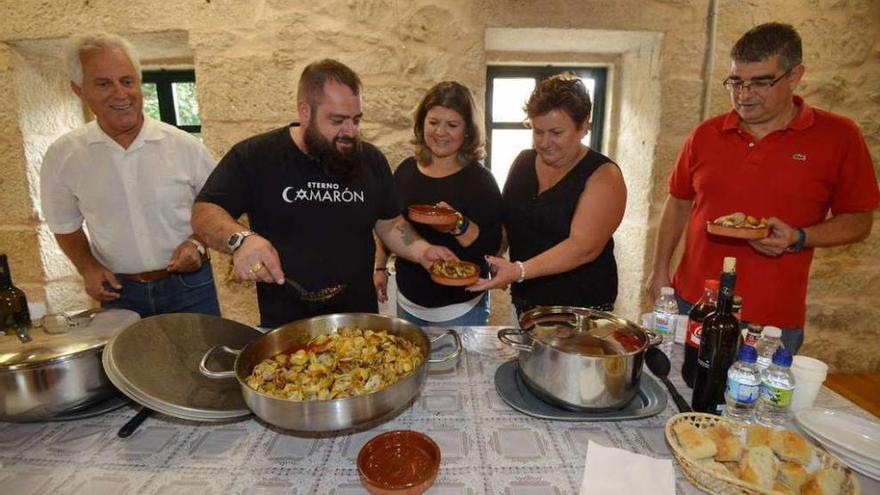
point(339, 166)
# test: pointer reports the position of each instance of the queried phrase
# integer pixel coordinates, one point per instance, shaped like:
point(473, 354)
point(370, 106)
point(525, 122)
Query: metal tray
point(650, 399)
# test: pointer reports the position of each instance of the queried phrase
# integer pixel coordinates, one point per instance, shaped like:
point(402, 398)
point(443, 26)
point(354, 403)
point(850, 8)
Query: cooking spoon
point(659, 364)
point(318, 295)
point(132, 424)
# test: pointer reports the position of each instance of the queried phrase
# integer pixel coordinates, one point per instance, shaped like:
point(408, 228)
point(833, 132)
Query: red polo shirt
point(819, 162)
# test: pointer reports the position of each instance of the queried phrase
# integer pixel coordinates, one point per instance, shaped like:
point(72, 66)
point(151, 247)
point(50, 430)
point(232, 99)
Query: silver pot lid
point(57, 337)
point(155, 362)
point(583, 331)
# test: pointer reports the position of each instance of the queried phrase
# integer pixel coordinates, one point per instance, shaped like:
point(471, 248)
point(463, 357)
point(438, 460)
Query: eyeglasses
point(732, 84)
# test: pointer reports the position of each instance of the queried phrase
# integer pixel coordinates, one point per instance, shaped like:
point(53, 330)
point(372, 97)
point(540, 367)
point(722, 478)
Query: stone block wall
point(248, 55)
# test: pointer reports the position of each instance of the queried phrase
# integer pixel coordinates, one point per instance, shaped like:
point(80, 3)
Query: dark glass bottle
point(13, 303)
point(707, 304)
point(718, 347)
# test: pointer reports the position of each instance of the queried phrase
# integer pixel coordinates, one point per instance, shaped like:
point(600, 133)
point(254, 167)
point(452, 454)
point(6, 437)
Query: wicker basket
point(717, 483)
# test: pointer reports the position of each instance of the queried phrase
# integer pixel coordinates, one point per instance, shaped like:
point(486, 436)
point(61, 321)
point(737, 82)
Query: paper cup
point(809, 374)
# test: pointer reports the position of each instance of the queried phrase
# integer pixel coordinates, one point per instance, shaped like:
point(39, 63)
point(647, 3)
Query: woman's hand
point(503, 273)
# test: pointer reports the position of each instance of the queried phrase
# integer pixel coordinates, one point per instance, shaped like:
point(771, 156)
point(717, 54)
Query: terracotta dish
point(455, 273)
point(432, 215)
point(399, 462)
point(738, 232)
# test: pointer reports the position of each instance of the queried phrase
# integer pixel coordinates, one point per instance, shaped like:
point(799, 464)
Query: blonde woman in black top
point(562, 203)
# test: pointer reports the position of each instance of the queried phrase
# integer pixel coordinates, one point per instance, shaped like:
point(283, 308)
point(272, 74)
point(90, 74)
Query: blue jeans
point(792, 338)
point(192, 292)
point(478, 315)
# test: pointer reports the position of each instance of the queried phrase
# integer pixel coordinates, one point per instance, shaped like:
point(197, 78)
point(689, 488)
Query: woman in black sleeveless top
point(562, 202)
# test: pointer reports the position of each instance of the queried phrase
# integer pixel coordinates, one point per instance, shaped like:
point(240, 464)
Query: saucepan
point(333, 414)
point(580, 358)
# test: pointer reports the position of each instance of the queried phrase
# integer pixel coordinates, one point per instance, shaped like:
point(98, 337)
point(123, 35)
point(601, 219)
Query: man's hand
point(257, 261)
point(96, 278)
point(781, 236)
point(380, 282)
point(657, 279)
point(185, 259)
point(436, 253)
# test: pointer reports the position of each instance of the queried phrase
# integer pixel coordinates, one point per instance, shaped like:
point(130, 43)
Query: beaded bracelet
point(522, 271)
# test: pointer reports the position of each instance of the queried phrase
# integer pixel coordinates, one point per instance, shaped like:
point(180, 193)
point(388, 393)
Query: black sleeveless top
point(537, 222)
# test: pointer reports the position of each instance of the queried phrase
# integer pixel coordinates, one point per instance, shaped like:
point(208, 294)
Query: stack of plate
point(853, 439)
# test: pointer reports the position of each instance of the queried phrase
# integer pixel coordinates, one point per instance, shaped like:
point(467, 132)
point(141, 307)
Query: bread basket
point(716, 483)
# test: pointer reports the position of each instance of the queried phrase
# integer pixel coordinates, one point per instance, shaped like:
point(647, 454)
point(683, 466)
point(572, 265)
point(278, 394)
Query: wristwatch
point(203, 253)
point(237, 239)
point(799, 244)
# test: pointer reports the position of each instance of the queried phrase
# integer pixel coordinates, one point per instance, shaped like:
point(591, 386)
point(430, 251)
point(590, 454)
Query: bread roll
point(727, 444)
point(715, 466)
point(783, 488)
point(793, 475)
point(758, 466)
point(695, 443)
point(790, 446)
point(758, 435)
point(825, 482)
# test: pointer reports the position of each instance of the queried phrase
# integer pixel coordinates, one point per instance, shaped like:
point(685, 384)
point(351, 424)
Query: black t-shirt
point(537, 222)
point(322, 229)
point(473, 192)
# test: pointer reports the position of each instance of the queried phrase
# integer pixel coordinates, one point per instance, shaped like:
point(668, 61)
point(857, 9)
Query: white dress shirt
point(136, 202)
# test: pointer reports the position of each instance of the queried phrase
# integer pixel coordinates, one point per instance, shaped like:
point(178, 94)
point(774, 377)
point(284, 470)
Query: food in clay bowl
point(432, 215)
point(455, 273)
point(740, 226)
point(400, 462)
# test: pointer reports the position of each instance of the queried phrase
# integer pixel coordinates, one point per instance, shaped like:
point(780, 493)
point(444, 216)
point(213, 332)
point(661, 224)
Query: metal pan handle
point(654, 338)
point(203, 368)
point(503, 337)
point(452, 355)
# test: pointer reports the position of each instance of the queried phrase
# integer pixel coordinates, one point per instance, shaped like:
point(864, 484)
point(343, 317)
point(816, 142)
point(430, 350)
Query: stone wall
point(666, 58)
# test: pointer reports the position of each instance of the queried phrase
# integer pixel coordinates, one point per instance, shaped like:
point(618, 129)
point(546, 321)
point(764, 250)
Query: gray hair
point(80, 43)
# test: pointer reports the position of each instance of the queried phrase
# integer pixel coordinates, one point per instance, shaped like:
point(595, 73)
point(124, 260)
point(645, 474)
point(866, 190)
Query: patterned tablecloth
point(487, 447)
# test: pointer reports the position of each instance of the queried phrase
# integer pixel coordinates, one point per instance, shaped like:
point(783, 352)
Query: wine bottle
point(718, 347)
point(13, 303)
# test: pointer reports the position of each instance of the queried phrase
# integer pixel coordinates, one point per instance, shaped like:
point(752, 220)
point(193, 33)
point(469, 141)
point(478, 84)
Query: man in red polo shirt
point(773, 156)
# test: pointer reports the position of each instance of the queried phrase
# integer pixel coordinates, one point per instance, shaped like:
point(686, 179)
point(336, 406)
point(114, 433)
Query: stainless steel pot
point(57, 369)
point(335, 414)
point(580, 358)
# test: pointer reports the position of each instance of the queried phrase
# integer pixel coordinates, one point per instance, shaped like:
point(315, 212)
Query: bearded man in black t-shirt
point(314, 193)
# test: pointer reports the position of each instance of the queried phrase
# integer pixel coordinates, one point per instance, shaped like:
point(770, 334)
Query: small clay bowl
point(432, 215)
point(457, 282)
point(749, 233)
point(399, 462)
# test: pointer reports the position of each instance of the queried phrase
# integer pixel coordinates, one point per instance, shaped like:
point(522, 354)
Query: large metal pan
point(58, 368)
point(334, 414)
point(580, 358)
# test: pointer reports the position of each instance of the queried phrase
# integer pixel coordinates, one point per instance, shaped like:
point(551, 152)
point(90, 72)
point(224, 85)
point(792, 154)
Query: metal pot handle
point(503, 337)
point(203, 368)
point(654, 338)
point(452, 355)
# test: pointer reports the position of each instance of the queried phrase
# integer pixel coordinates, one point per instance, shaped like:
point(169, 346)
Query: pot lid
point(584, 331)
point(155, 362)
point(57, 337)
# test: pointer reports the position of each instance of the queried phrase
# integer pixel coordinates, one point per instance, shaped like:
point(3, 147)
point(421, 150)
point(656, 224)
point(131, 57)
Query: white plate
point(869, 470)
point(859, 437)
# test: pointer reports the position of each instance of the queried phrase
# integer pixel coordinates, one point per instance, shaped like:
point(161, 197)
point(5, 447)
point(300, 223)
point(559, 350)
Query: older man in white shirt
point(129, 181)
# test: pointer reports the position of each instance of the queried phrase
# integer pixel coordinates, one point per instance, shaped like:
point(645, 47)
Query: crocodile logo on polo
point(801, 157)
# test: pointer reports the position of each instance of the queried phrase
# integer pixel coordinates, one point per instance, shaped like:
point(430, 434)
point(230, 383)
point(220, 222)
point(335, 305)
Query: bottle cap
point(782, 357)
point(772, 332)
point(667, 291)
point(747, 353)
point(755, 328)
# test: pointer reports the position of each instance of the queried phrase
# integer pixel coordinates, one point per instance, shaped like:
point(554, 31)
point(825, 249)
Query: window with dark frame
point(507, 90)
point(170, 96)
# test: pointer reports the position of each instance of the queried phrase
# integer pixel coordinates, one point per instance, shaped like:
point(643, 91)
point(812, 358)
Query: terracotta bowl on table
point(432, 215)
point(749, 233)
point(399, 462)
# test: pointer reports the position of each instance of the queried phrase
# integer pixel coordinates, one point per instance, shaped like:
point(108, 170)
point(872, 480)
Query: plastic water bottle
point(777, 385)
point(771, 339)
point(665, 312)
point(743, 384)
